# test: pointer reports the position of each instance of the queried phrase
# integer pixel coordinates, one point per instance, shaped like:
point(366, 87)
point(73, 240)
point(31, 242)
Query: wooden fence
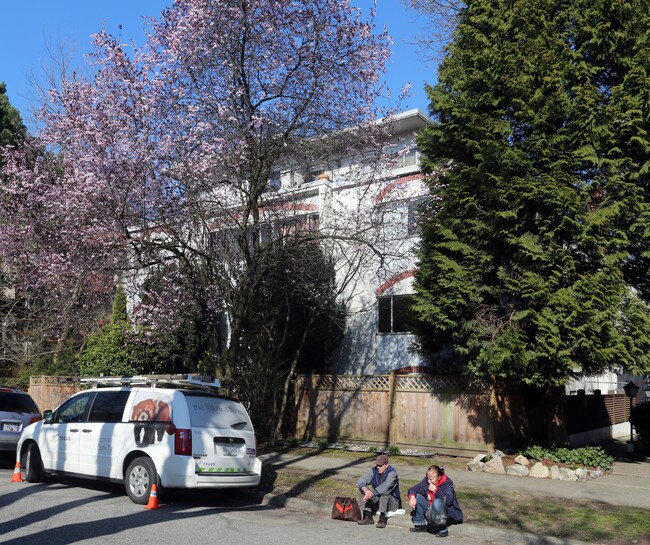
point(590, 412)
point(444, 413)
point(48, 392)
point(420, 411)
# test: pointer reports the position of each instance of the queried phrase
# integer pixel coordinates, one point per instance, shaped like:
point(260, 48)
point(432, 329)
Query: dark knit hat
point(381, 460)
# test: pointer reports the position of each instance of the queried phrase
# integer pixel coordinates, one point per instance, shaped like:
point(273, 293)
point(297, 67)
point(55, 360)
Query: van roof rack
point(169, 381)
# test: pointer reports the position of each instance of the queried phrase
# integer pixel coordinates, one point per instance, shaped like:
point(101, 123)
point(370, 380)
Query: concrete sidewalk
point(628, 485)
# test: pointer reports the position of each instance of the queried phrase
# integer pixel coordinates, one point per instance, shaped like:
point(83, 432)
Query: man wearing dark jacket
point(379, 489)
point(434, 494)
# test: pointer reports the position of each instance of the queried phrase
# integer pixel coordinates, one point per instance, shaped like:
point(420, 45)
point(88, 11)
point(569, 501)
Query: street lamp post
point(631, 390)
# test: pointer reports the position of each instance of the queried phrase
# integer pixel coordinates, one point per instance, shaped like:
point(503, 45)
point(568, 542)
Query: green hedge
point(584, 456)
point(21, 383)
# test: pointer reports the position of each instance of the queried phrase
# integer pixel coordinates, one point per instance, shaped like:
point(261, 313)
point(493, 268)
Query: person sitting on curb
point(431, 495)
point(379, 489)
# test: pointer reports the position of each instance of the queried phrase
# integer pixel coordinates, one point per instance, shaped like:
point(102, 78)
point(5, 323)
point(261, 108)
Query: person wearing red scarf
point(434, 493)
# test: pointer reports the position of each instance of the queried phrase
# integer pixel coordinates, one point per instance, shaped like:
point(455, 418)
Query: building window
point(411, 158)
point(394, 314)
point(275, 181)
point(314, 174)
point(416, 209)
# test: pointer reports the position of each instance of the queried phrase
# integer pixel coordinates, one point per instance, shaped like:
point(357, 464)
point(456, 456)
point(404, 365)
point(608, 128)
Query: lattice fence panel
point(432, 383)
point(345, 382)
point(410, 382)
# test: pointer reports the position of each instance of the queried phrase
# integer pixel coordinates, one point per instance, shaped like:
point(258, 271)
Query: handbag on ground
point(346, 508)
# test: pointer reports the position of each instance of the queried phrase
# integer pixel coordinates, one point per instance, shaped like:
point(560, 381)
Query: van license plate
point(230, 451)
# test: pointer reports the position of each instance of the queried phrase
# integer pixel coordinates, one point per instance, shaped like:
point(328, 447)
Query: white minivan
point(175, 433)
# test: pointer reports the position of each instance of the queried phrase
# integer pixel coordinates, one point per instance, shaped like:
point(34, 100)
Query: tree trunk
point(288, 381)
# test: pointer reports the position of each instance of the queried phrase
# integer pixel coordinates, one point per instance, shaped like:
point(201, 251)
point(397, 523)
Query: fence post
point(392, 421)
point(492, 415)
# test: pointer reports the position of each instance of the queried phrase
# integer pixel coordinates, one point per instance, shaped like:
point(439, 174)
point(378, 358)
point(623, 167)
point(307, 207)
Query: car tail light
point(183, 442)
point(35, 419)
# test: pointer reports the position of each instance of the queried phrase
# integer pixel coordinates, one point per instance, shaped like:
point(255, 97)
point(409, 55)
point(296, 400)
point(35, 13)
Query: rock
point(475, 465)
point(539, 471)
point(517, 469)
point(567, 474)
point(595, 473)
point(555, 472)
point(495, 465)
point(582, 474)
point(522, 460)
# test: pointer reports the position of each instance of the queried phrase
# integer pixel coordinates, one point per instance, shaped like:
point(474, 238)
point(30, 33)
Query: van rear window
point(215, 412)
point(17, 403)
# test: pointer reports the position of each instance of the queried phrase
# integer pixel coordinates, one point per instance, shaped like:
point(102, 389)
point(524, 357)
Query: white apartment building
point(365, 212)
point(349, 203)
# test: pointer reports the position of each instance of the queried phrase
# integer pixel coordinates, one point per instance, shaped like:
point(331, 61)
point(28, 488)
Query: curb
point(486, 534)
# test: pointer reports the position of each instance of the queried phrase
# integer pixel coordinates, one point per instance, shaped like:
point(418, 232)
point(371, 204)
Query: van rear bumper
point(182, 472)
point(226, 480)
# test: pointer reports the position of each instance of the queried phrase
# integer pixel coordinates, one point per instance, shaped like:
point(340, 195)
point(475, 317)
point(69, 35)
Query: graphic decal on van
point(152, 416)
point(223, 469)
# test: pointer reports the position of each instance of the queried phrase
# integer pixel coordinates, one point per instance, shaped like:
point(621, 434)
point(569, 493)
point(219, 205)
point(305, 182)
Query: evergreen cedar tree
point(12, 130)
point(535, 251)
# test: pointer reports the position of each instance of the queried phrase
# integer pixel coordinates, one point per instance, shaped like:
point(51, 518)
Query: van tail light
point(183, 442)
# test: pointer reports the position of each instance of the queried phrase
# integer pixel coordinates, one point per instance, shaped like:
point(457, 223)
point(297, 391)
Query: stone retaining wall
point(523, 468)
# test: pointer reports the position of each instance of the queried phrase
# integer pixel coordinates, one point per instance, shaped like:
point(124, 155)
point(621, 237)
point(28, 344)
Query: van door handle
point(76, 431)
point(86, 431)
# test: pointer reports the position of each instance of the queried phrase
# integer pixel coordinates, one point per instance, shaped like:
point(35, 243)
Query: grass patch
point(579, 520)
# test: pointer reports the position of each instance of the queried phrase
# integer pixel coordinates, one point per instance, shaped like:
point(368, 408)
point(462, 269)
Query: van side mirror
point(48, 416)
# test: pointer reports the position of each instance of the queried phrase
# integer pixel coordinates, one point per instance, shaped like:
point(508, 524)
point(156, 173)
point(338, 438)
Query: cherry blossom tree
point(165, 157)
point(56, 249)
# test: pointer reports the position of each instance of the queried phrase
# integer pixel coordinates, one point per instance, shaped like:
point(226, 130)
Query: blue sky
point(28, 27)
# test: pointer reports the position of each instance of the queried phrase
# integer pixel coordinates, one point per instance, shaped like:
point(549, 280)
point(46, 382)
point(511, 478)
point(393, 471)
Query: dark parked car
point(17, 411)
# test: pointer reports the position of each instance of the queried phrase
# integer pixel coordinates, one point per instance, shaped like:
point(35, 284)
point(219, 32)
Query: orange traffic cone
point(16, 477)
point(153, 498)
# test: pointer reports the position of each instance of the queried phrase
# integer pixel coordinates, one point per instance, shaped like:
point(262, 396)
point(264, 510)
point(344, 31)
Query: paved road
point(65, 512)
point(91, 513)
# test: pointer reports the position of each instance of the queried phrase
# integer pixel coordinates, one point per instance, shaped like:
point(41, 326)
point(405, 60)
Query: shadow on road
point(174, 505)
point(7, 460)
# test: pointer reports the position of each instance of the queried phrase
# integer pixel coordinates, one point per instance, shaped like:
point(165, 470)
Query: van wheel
point(140, 476)
point(33, 464)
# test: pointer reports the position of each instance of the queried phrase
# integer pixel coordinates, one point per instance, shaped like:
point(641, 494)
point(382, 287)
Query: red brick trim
point(396, 183)
point(394, 280)
point(420, 369)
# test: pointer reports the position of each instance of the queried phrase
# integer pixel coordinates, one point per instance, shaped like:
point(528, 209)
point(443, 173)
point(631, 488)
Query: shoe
point(367, 519)
point(418, 529)
point(443, 533)
point(381, 523)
